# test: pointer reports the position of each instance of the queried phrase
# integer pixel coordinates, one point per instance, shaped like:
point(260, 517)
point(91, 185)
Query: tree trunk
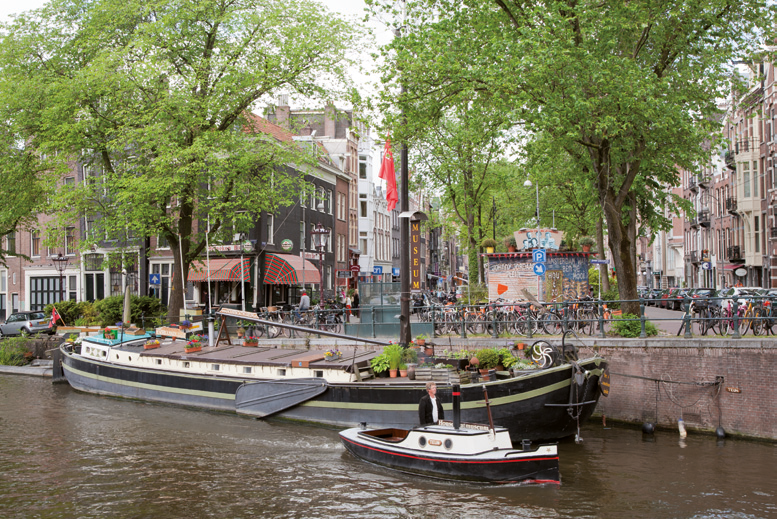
point(621, 247)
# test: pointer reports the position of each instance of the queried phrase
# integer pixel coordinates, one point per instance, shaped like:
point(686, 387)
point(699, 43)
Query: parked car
point(667, 298)
point(705, 295)
point(738, 294)
point(30, 322)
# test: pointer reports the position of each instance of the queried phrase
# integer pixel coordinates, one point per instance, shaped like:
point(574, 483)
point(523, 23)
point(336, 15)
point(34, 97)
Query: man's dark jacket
point(425, 410)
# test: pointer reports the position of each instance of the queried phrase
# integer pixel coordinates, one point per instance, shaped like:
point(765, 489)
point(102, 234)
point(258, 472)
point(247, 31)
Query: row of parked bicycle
point(674, 298)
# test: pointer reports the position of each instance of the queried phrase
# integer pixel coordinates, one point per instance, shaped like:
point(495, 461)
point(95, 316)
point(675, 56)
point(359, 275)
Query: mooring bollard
point(642, 333)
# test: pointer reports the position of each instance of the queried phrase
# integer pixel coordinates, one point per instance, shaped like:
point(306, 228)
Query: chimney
point(329, 120)
point(282, 111)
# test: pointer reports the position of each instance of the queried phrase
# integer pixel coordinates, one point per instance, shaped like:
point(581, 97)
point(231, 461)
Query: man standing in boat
point(430, 408)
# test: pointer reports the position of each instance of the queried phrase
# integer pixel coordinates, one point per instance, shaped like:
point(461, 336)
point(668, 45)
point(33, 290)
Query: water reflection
point(66, 454)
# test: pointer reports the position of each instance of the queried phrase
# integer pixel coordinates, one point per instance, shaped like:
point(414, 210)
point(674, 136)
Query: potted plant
point(488, 244)
point(251, 341)
point(586, 242)
point(488, 358)
point(421, 340)
point(380, 365)
point(510, 243)
point(402, 370)
point(194, 344)
point(151, 344)
point(394, 352)
point(240, 330)
point(333, 354)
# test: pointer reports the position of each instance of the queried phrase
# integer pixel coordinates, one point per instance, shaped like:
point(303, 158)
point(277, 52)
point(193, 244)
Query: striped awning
point(285, 269)
point(221, 269)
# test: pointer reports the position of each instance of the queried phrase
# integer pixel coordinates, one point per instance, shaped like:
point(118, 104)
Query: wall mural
point(528, 239)
point(566, 277)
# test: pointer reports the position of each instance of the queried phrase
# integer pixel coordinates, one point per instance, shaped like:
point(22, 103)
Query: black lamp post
point(60, 263)
point(320, 236)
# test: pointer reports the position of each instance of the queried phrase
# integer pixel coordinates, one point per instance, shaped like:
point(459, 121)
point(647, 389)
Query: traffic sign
point(706, 265)
point(354, 268)
point(538, 255)
point(377, 271)
point(601, 262)
point(539, 268)
point(153, 279)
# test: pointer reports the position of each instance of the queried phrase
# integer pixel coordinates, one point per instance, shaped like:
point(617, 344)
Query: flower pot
point(331, 358)
point(402, 372)
point(586, 248)
point(150, 346)
point(393, 373)
point(193, 350)
point(510, 248)
point(421, 342)
point(520, 345)
point(411, 371)
point(251, 344)
point(483, 371)
point(382, 374)
point(429, 351)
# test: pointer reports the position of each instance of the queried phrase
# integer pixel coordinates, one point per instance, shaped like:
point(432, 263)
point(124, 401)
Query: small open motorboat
point(451, 450)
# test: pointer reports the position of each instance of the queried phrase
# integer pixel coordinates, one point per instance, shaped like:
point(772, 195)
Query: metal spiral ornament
point(543, 354)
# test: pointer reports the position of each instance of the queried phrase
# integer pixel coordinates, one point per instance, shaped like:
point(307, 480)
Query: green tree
point(627, 89)
point(455, 158)
point(154, 97)
point(21, 187)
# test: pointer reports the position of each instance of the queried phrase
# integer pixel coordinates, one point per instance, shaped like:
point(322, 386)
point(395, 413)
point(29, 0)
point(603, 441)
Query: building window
point(329, 202)
point(161, 242)
point(71, 285)
point(363, 209)
point(10, 243)
point(757, 235)
point(70, 241)
point(270, 228)
point(362, 167)
point(746, 179)
point(35, 245)
point(302, 235)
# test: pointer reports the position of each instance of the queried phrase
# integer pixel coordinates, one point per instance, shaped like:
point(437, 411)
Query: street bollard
point(736, 334)
point(687, 318)
point(463, 324)
point(600, 316)
point(529, 322)
point(565, 320)
point(642, 332)
point(494, 332)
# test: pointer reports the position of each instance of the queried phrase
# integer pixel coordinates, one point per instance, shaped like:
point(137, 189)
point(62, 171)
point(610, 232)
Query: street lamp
point(320, 236)
point(537, 187)
point(245, 246)
point(60, 263)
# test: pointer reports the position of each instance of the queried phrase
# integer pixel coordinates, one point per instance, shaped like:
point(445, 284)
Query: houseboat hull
point(540, 405)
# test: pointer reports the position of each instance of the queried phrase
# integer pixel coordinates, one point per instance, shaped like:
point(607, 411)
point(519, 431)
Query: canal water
point(66, 454)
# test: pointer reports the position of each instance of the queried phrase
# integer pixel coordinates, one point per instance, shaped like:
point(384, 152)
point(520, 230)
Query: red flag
point(387, 174)
point(55, 317)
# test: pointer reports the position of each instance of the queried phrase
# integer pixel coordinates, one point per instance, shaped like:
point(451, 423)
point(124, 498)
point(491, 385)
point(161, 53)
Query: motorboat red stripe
point(449, 460)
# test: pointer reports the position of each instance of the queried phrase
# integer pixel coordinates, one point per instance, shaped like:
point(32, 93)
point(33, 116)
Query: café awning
point(285, 269)
point(221, 269)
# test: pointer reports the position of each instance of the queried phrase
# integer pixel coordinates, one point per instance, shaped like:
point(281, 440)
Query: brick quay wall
point(662, 380)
